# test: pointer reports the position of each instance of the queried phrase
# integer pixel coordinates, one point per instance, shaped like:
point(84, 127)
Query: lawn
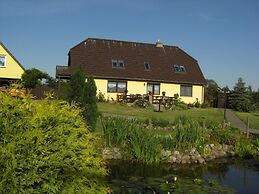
point(209, 114)
point(253, 118)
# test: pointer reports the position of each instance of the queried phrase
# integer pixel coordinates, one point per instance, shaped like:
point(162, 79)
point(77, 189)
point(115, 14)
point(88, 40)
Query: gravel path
point(236, 122)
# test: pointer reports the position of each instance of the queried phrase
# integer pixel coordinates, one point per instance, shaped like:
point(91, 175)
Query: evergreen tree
point(89, 102)
point(76, 86)
point(240, 99)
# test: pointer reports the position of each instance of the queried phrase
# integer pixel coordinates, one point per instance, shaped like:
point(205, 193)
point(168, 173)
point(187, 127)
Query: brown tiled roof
point(96, 55)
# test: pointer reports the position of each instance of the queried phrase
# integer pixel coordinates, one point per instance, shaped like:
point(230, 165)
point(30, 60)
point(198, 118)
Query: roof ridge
point(125, 41)
point(2, 44)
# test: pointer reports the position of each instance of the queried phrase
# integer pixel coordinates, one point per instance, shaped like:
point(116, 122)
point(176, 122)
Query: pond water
point(221, 176)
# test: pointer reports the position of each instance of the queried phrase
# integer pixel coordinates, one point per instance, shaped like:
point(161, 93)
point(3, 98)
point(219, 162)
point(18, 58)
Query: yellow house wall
point(137, 87)
point(12, 69)
point(140, 87)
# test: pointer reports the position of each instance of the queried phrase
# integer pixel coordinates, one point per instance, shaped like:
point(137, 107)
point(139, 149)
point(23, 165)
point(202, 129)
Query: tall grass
point(144, 146)
point(188, 133)
point(132, 135)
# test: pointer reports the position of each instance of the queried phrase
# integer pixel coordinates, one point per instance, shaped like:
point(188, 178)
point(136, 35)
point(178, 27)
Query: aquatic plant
point(188, 133)
point(144, 146)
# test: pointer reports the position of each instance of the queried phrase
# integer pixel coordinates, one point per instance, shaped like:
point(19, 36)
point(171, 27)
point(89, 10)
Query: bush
point(227, 135)
point(244, 148)
point(46, 148)
point(142, 103)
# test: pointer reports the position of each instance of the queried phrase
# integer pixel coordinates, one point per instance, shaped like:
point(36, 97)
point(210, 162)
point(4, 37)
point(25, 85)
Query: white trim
point(5, 59)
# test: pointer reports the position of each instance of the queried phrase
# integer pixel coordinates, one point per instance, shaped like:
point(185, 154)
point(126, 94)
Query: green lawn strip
point(253, 118)
point(209, 114)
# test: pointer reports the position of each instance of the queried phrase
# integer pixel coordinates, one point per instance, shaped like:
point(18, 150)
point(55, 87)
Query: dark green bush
point(142, 103)
point(46, 148)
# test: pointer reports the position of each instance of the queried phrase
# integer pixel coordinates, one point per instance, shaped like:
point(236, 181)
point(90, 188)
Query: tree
point(33, 78)
point(46, 148)
point(89, 102)
point(240, 99)
point(84, 93)
point(211, 92)
point(76, 85)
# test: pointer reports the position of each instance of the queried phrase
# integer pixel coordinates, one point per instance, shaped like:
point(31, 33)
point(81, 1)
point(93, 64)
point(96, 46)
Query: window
point(153, 88)
point(2, 61)
point(185, 90)
point(147, 66)
point(117, 64)
point(179, 68)
point(117, 86)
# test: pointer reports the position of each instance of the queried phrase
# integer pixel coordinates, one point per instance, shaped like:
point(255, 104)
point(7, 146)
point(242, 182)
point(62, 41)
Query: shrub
point(46, 148)
point(142, 103)
point(244, 148)
point(227, 135)
point(101, 97)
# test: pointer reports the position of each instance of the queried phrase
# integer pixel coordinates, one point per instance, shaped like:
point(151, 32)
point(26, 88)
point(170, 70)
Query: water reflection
point(129, 177)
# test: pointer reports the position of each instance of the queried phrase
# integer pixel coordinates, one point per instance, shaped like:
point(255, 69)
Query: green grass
point(209, 114)
point(253, 118)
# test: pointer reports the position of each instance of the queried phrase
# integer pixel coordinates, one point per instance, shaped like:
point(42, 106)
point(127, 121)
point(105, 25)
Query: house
point(10, 68)
point(138, 68)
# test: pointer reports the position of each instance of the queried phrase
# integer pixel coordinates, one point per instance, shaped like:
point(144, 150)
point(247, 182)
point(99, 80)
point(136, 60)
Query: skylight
point(147, 66)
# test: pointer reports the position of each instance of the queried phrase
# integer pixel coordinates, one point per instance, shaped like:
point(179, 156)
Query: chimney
point(159, 44)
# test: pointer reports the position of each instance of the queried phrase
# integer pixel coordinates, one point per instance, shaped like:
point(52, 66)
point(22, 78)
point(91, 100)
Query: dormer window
point(117, 64)
point(121, 63)
point(179, 68)
point(147, 66)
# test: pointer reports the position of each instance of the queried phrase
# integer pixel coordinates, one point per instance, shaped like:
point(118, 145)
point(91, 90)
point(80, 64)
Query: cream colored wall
point(140, 87)
point(170, 89)
point(137, 87)
point(12, 69)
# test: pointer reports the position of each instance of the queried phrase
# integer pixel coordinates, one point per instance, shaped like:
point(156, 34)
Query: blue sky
point(222, 35)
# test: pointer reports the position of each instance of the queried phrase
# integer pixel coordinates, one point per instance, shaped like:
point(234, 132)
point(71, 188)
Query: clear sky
point(223, 35)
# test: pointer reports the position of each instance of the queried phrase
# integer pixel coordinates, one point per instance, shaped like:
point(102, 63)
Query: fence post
point(247, 127)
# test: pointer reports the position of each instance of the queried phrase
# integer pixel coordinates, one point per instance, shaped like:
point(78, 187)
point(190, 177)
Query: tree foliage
point(32, 78)
point(76, 86)
point(84, 93)
point(89, 102)
point(46, 148)
point(240, 99)
point(211, 92)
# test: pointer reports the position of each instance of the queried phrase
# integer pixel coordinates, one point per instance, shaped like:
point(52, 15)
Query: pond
point(221, 176)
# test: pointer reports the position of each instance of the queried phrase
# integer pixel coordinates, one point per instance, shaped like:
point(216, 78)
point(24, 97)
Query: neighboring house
point(10, 68)
point(137, 68)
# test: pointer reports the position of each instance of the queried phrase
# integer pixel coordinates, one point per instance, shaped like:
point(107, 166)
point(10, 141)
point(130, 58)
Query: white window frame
point(4, 56)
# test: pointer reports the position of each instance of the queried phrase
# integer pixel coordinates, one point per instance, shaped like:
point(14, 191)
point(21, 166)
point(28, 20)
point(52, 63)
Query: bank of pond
point(182, 141)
